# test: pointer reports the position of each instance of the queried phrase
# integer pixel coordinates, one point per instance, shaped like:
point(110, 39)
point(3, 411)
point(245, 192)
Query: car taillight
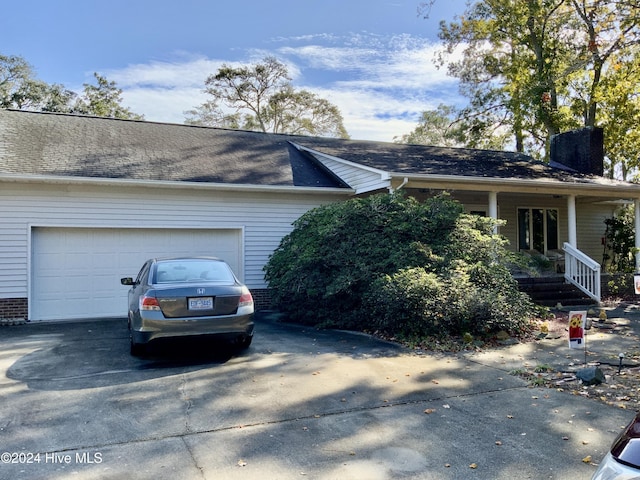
point(149, 303)
point(246, 299)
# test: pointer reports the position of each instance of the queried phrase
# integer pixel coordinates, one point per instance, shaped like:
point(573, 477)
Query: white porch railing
point(582, 271)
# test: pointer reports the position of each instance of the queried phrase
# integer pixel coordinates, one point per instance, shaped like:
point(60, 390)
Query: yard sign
point(577, 322)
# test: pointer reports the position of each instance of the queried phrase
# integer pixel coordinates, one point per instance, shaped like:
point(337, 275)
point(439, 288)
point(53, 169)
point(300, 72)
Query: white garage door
point(76, 271)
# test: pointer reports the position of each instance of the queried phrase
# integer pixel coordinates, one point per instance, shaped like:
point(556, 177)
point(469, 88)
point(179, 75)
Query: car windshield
point(193, 270)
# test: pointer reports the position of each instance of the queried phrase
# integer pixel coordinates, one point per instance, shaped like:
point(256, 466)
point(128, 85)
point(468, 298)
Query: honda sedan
point(182, 297)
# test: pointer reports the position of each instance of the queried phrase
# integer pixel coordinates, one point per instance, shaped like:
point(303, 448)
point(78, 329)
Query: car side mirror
point(127, 281)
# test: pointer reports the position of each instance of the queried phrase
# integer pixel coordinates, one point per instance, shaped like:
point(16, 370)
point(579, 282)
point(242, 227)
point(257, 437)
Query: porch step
point(551, 290)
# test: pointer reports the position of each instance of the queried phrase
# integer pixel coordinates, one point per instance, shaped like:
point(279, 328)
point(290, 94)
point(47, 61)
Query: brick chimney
point(580, 150)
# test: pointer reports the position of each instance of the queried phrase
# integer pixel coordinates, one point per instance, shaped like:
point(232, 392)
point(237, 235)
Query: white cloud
point(380, 84)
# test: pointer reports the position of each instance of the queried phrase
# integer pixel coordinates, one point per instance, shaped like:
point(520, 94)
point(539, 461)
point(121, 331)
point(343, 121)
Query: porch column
point(636, 209)
point(571, 221)
point(493, 208)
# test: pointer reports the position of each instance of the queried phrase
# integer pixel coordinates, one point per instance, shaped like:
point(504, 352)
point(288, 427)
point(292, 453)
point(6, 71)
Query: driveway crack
point(193, 458)
point(184, 396)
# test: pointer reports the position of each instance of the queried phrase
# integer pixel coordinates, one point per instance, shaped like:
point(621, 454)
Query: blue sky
point(371, 58)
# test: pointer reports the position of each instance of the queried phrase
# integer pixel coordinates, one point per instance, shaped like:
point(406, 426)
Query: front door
point(538, 229)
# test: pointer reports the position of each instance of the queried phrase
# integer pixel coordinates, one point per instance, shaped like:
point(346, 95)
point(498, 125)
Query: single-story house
point(85, 201)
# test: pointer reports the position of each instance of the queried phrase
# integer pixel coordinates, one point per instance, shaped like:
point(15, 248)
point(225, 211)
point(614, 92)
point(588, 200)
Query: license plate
point(201, 303)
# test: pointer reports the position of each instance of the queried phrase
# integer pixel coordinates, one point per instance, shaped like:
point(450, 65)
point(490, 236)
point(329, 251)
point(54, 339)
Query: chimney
point(580, 150)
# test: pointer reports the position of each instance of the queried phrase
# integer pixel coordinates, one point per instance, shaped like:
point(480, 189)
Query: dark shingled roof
point(428, 160)
point(68, 145)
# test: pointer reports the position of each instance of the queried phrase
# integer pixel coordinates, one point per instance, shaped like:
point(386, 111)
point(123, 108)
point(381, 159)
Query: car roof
point(164, 259)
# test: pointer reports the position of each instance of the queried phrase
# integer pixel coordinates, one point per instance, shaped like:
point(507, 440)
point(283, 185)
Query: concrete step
point(551, 290)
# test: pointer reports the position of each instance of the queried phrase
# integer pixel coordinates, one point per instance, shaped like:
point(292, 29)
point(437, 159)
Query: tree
point(260, 97)
point(443, 127)
point(103, 100)
point(537, 67)
point(20, 89)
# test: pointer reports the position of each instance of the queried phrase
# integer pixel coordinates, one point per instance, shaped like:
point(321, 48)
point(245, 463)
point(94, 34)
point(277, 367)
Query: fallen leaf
point(435, 381)
point(242, 463)
point(429, 411)
point(587, 459)
point(445, 406)
point(498, 442)
point(473, 465)
point(447, 465)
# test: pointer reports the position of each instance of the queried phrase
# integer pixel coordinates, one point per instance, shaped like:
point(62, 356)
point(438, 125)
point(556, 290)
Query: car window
point(144, 273)
point(193, 270)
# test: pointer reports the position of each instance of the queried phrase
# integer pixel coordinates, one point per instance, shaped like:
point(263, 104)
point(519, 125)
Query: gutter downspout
point(399, 187)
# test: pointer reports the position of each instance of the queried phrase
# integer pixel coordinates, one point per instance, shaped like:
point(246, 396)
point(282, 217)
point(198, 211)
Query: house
point(84, 200)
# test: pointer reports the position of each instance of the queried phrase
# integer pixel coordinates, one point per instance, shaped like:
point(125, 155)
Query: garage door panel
point(76, 271)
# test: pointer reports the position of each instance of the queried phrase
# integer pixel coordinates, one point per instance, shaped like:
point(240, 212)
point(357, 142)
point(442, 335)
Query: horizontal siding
point(591, 228)
point(360, 179)
point(265, 218)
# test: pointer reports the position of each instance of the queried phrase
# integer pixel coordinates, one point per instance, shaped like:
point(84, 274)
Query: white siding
point(265, 218)
point(359, 178)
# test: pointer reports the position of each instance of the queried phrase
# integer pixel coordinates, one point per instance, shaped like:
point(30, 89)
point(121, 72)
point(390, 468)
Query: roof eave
point(539, 186)
point(174, 185)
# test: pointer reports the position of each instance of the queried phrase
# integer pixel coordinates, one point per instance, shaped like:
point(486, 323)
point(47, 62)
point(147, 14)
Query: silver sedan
point(178, 297)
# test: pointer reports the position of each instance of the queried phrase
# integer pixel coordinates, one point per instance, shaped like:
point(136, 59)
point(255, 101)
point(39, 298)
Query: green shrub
point(391, 263)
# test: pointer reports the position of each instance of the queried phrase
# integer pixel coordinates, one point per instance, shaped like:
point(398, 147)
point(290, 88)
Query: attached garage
point(75, 272)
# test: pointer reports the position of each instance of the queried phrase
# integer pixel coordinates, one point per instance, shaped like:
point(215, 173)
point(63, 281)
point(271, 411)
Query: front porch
point(571, 278)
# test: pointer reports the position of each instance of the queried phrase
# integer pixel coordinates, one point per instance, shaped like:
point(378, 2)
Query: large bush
point(393, 264)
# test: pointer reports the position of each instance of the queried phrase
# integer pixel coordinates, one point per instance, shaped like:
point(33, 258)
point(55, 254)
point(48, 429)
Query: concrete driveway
point(298, 404)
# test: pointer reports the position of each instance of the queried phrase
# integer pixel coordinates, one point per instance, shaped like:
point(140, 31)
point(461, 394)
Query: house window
point(538, 229)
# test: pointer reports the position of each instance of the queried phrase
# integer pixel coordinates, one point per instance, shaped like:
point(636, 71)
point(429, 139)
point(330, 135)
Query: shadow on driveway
point(87, 354)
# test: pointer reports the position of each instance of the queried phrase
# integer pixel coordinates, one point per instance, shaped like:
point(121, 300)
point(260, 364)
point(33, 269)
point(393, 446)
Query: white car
point(623, 460)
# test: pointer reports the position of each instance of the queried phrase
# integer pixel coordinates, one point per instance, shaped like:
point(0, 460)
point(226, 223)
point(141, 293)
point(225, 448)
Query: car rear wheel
point(245, 341)
point(136, 349)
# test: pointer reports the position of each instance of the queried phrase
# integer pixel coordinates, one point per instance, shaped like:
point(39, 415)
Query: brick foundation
point(261, 298)
point(14, 308)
